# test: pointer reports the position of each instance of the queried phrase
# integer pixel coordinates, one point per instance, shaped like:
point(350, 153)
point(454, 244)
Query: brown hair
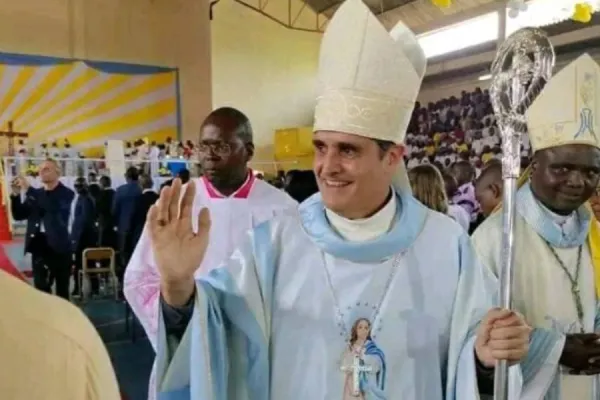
point(428, 187)
point(353, 334)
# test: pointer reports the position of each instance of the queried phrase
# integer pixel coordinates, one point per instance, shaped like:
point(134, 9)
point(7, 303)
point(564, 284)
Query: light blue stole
point(541, 220)
point(410, 219)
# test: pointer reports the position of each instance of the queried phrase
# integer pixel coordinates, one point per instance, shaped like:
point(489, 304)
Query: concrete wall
point(173, 33)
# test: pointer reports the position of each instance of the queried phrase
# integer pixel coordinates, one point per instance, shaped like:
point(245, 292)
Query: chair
point(98, 254)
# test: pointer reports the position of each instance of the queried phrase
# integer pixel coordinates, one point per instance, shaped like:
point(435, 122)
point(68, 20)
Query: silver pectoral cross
point(356, 369)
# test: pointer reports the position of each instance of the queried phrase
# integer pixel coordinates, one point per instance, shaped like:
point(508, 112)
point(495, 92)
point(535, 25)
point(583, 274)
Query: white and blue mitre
point(368, 78)
point(567, 111)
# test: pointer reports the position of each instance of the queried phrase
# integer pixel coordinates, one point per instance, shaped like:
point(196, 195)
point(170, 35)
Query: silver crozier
point(520, 70)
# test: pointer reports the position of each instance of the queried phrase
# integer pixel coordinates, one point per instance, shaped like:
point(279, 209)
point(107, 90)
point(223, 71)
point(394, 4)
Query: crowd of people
point(152, 157)
point(455, 129)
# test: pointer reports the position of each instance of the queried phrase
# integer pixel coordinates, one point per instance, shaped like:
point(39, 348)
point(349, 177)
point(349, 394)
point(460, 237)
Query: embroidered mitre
point(568, 108)
point(368, 78)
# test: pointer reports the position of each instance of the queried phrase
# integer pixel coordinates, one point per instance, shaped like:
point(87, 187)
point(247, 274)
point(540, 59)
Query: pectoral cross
point(356, 369)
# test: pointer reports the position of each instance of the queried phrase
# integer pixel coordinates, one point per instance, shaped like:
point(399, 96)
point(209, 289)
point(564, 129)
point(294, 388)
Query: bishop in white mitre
point(555, 232)
point(362, 293)
point(236, 200)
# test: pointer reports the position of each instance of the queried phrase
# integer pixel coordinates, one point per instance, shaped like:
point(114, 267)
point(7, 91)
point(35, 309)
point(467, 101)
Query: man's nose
point(576, 179)
point(330, 163)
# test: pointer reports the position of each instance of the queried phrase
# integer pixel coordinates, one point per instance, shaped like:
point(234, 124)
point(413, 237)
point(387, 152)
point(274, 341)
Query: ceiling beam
point(447, 20)
point(329, 7)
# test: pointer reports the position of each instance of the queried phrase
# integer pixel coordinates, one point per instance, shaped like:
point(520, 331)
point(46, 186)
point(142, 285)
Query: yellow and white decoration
point(583, 12)
point(567, 110)
point(85, 102)
point(557, 10)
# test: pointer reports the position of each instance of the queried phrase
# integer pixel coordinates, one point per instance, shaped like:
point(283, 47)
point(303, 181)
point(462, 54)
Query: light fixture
point(485, 77)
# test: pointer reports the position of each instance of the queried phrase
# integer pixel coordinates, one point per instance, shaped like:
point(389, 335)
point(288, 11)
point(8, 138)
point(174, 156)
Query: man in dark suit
point(93, 187)
point(125, 201)
point(149, 197)
point(82, 228)
point(106, 223)
point(47, 238)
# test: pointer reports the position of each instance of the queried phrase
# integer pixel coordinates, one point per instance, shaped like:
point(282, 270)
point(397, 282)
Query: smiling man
point(345, 298)
point(554, 270)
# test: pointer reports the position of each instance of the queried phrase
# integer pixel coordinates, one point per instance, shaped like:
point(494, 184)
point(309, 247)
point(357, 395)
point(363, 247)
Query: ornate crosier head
point(520, 71)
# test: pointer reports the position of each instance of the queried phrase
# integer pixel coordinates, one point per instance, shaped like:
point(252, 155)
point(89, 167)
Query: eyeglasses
point(220, 148)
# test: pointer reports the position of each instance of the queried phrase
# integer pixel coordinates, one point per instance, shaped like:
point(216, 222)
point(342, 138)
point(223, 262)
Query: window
point(545, 12)
point(460, 36)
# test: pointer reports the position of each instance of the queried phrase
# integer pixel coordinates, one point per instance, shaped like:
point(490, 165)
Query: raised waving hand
point(178, 251)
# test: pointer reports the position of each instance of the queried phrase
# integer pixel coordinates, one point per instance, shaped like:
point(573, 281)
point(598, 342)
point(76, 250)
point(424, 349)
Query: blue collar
point(410, 218)
point(541, 222)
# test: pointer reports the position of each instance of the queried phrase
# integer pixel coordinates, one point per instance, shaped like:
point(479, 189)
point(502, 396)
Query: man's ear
point(534, 165)
point(250, 150)
point(396, 154)
point(496, 190)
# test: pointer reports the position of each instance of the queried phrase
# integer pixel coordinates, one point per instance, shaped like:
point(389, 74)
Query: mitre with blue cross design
point(567, 111)
point(368, 78)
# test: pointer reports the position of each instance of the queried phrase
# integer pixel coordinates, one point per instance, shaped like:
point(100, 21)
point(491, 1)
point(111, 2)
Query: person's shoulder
point(491, 226)
point(286, 218)
point(135, 187)
point(439, 224)
point(460, 215)
point(31, 310)
point(65, 190)
point(273, 195)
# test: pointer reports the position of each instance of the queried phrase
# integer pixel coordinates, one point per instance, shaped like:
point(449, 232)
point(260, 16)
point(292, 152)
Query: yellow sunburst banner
point(86, 102)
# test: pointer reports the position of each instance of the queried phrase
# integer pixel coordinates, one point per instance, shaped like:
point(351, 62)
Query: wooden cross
point(10, 134)
point(356, 369)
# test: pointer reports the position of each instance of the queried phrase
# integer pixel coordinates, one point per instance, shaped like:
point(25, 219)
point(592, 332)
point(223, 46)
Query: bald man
point(236, 199)
point(46, 210)
point(49, 349)
point(488, 187)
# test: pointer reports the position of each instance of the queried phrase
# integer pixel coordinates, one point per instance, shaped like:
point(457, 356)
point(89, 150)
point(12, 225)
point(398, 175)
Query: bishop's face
point(353, 174)
point(565, 177)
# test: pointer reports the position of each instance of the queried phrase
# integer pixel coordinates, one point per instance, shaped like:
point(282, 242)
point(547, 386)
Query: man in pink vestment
point(237, 202)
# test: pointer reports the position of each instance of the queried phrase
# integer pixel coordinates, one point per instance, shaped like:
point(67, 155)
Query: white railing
point(76, 167)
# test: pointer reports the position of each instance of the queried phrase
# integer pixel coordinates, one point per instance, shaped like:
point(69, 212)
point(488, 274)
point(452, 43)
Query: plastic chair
point(96, 255)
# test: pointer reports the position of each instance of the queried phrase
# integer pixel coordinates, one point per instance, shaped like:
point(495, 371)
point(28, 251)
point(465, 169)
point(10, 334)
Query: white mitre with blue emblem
point(567, 111)
point(368, 78)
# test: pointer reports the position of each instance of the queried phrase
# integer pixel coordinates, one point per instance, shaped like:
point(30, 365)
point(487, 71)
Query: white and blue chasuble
point(265, 324)
point(542, 290)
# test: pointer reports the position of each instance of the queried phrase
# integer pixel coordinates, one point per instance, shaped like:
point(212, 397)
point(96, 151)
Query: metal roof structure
point(419, 15)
